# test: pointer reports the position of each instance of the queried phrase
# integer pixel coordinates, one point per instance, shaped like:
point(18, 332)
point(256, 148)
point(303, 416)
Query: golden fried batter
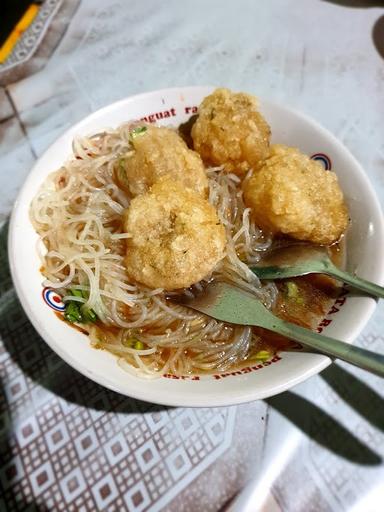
point(294, 195)
point(160, 152)
point(177, 238)
point(230, 131)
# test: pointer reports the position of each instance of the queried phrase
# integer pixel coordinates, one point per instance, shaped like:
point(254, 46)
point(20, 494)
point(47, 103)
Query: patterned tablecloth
point(67, 443)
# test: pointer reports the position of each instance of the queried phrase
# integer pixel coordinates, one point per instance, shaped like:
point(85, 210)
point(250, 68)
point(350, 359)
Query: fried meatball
point(293, 195)
point(230, 131)
point(160, 152)
point(177, 238)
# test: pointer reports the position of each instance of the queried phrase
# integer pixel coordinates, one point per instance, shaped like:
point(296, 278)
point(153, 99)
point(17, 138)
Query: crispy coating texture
point(293, 195)
point(177, 238)
point(230, 131)
point(161, 152)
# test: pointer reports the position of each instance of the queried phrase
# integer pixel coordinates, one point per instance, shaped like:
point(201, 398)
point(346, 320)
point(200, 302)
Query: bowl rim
point(194, 400)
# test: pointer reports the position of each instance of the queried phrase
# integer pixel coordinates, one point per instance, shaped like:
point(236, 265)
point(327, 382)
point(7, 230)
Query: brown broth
point(317, 293)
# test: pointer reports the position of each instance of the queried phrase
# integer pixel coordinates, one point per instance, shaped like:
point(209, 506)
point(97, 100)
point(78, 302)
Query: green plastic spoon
point(299, 260)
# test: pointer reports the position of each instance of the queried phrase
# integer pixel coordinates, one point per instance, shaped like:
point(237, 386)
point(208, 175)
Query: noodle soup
point(79, 215)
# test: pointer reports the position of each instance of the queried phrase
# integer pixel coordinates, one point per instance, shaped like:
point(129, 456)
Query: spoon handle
point(357, 356)
point(356, 282)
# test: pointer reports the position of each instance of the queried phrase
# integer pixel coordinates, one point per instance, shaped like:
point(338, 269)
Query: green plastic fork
point(231, 304)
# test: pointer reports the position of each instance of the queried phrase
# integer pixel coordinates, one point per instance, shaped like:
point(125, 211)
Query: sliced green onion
point(139, 345)
point(73, 313)
point(76, 312)
point(88, 314)
point(136, 132)
point(263, 355)
point(293, 292)
point(129, 342)
point(79, 293)
point(292, 289)
point(75, 292)
point(121, 174)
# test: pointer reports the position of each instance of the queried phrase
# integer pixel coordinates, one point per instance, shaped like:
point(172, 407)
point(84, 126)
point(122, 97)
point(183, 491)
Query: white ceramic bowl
point(365, 240)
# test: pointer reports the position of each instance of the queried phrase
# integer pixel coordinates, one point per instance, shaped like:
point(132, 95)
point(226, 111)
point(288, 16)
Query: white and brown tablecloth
point(66, 443)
